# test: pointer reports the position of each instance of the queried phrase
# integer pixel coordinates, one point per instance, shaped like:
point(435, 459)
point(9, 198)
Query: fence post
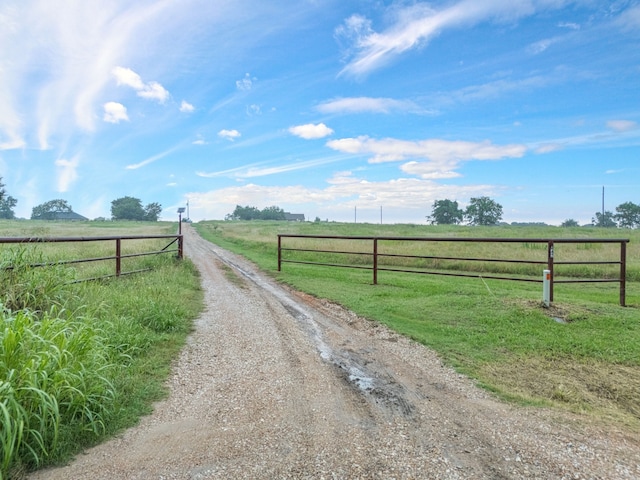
point(180, 246)
point(550, 254)
point(118, 257)
point(375, 261)
point(279, 252)
point(623, 273)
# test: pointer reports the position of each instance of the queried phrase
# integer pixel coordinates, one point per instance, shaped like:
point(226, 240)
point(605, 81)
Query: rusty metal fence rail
point(176, 241)
point(375, 256)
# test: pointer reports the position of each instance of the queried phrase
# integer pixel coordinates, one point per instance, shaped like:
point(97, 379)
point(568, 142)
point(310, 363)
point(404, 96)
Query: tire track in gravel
point(277, 384)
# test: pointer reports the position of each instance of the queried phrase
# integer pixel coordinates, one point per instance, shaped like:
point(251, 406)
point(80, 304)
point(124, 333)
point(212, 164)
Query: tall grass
point(57, 370)
point(79, 362)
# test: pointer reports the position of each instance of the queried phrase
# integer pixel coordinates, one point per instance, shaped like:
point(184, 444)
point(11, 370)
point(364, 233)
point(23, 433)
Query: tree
point(152, 212)
point(445, 212)
point(48, 210)
point(7, 203)
point(272, 213)
point(604, 220)
point(127, 208)
point(628, 215)
point(483, 211)
point(570, 222)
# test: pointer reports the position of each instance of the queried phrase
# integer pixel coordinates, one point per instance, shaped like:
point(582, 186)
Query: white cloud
point(311, 131)
point(443, 156)
point(549, 147)
point(186, 107)
point(149, 91)
point(570, 25)
point(199, 140)
point(245, 84)
point(254, 109)
point(431, 171)
point(621, 125)
point(367, 104)
point(542, 45)
point(67, 173)
point(409, 197)
point(393, 150)
point(115, 112)
point(154, 91)
point(230, 135)
point(127, 77)
point(417, 24)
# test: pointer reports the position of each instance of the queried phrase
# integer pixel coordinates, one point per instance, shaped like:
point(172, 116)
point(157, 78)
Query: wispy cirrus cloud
point(368, 105)
point(311, 131)
point(67, 172)
point(258, 170)
point(622, 125)
point(416, 25)
point(152, 159)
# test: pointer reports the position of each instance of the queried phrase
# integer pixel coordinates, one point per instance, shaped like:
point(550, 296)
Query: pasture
point(581, 355)
point(81, 361)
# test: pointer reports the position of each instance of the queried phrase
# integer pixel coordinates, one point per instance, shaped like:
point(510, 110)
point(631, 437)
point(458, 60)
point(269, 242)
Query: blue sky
point(340, 109)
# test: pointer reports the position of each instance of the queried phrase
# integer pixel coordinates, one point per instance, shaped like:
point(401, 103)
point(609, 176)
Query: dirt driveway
point(274, 384)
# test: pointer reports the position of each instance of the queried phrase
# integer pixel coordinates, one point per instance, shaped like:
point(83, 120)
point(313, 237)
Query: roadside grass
point(80, 362)
point(582, 354)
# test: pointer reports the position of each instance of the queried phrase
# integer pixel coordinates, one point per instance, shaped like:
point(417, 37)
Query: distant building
point(294, 217)
point(64, 216)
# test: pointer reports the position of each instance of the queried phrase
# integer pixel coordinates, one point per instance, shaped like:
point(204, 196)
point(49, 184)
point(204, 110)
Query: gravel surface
point(275, 384)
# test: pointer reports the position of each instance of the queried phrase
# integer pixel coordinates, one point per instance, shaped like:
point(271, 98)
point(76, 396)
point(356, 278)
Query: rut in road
point(278, 384)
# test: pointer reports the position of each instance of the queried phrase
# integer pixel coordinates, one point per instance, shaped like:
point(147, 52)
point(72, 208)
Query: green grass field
point(582, 354)
point(80, 362)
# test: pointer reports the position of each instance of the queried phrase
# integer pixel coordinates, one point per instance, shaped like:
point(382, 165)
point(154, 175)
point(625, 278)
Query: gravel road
point(274, 384)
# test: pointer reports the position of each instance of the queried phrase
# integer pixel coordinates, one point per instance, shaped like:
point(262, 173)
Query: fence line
point(118, 257)
point(549, 263)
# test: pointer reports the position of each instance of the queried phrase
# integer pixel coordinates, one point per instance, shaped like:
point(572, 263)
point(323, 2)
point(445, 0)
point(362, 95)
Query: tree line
point(253, 213)
point(124, 208)
point(485, 211)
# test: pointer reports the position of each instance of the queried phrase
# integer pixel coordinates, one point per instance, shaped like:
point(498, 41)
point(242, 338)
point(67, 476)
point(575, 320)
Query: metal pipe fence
point(375, 255)
point(117, 257)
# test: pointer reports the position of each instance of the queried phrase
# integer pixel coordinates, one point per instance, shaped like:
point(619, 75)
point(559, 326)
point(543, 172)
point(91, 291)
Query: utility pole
point(355, 214)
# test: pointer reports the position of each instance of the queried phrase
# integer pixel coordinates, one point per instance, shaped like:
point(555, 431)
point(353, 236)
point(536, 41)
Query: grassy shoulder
point(583, 354)
point(92, 357)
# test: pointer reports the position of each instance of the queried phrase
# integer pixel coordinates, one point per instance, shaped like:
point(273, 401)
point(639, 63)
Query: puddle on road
point(354, 371)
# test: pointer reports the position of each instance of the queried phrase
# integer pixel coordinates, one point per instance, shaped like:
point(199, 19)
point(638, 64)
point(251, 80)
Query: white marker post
point(546, 287)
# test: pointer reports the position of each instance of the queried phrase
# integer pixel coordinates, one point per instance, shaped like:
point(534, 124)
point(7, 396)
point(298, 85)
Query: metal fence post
point(623, 273)
point(375, 261)
point(279, 252)
point(180, 246)
point(550, 254)
point(118, 257)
